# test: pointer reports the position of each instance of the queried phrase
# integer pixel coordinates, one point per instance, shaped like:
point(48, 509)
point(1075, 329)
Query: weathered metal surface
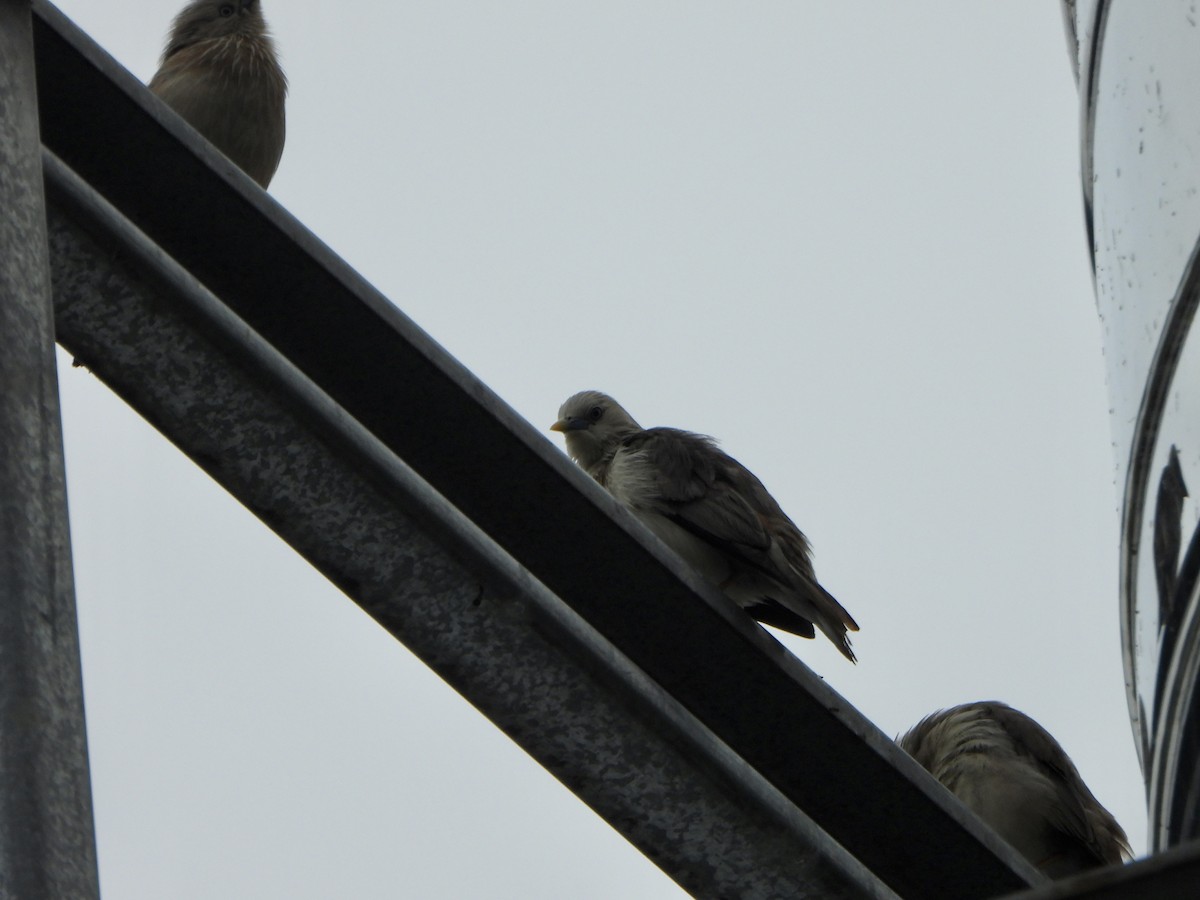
point(1170, 875)
point(428, 576)
point(47, 846)
point(320, 316)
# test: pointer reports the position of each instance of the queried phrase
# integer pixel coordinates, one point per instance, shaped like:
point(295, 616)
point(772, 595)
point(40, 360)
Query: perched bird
point(220, 73)
point(1012, 774)
point(710, 509)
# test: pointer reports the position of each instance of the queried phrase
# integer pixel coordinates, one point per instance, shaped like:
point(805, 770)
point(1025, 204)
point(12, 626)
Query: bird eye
point(595, 413)
point(226, 10)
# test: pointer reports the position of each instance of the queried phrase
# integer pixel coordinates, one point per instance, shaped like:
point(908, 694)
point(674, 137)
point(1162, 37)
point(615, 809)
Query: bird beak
point(569, 424)
point(561, 425)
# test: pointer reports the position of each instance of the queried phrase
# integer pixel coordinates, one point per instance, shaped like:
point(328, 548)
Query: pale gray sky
point(845, 239)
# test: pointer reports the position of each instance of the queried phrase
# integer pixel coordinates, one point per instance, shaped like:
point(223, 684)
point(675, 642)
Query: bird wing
point(1070, 815)
point(685, 477)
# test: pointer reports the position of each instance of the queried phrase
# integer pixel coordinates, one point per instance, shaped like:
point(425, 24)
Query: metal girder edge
point(424, 572)
point(385, 372)
point(1170, 875)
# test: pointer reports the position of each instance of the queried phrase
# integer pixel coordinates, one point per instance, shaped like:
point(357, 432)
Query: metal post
point(47, 843)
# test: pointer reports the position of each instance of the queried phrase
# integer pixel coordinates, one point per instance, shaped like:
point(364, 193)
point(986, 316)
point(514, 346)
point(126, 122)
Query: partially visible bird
point(220, 72)
point(710, 509)
point(1014, 775)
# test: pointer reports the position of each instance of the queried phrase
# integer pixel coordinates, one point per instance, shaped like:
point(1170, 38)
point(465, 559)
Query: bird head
point(593, 425)
point(204, 20)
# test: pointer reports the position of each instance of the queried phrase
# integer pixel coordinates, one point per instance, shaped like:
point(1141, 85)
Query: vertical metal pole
point(47, 841)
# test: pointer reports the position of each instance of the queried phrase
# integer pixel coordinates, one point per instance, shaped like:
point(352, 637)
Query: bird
point(220, 72)
point(1016, 777)
point(710, 510)
point(1168, 537)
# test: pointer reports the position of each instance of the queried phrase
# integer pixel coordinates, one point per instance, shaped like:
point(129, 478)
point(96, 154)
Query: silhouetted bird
point(220, 73)
point(1014, 775)
point(710, 509)
point(1168, 536)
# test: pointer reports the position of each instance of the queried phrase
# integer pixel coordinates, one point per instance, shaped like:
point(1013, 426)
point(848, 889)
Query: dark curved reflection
point(1138, 70)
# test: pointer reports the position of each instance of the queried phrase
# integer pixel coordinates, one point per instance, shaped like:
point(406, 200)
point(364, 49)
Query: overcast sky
point(845, 239)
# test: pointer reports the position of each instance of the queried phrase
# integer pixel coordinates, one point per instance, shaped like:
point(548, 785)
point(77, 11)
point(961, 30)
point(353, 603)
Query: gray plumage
point(1014, 775)
point(220, 73)
point(710, 509)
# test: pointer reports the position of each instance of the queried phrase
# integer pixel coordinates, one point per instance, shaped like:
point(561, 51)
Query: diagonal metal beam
point(739, 687)
point(428, 576)
point(1170, 875)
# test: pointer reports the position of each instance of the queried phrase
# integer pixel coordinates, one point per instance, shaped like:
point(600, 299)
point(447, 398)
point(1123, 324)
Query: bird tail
point(832, 618)
point(840, 639)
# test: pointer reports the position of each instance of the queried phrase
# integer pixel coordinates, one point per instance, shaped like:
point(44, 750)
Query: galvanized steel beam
point(1171, 875)
point(738, 691)
point(47, 845)
point(425, 573)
